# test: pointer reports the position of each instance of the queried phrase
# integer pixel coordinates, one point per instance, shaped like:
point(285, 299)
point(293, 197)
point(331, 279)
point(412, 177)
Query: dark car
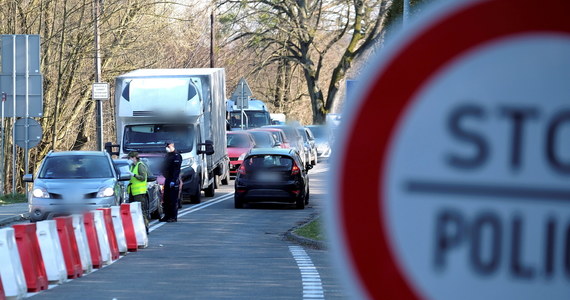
point(295, 139)
point(264, 139)
point(272, 175)
point(153, 188)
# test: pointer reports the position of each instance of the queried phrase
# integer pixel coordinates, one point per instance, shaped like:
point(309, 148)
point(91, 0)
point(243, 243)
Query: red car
point(239, 142)
point(279, 136)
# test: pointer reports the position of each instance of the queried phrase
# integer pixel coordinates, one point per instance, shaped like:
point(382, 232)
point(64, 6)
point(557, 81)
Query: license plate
point(269, 177)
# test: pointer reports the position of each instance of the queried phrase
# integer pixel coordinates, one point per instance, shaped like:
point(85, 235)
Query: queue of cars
point(274, 171)
point(268, 163)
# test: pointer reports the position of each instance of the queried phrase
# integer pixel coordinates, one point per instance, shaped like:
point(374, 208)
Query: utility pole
point(405, 12)
point(212, 38)
point(98, 103)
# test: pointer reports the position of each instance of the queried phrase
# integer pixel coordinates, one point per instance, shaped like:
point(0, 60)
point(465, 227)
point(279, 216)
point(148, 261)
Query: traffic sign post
point(465, 194)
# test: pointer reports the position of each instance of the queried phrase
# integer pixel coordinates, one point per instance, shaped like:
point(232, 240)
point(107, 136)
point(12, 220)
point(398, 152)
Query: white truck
point(184, 106)
point(256, 115)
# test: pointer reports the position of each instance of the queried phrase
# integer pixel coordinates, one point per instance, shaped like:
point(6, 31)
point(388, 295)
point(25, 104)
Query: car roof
point(271, 151)
point(238, 132)
point(68, 153)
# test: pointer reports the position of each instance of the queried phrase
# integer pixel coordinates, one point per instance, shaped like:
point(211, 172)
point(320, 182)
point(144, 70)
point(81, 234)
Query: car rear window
point(76, 167)
point(268, 162)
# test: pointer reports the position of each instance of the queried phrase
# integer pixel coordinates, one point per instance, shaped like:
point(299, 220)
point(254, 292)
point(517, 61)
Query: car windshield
point(238, 141)
point(302, 133)
point(253, 119)
point(262, 139)
point(268, 162)
point(76, 167)
point(153, 137)
point(320, 132)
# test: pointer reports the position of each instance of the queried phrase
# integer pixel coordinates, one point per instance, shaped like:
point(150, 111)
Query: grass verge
point(13, 198)
point(312, 230)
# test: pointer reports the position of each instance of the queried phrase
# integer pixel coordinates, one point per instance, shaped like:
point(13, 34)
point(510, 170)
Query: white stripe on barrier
point(82, 243)
point(11, 270)
point(52, 254)
point(138, 223)
point(102, 237)
point(119, 231)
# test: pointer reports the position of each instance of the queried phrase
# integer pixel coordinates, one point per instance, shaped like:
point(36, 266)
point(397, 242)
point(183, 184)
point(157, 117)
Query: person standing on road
point(171, 172)
point(138, 184)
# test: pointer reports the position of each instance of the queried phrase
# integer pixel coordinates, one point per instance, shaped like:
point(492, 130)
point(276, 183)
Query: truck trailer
point(184, 106)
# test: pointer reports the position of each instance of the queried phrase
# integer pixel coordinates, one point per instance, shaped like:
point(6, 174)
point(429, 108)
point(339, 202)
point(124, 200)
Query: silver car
point(73, 182)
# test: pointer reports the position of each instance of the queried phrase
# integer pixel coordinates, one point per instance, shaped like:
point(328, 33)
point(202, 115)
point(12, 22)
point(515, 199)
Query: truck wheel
point(195, 199)
point(226, 179)
point(210, 191)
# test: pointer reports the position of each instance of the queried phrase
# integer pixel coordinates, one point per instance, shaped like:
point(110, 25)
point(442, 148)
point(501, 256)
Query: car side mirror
point(124, 177)
point(206, 148)
point(28, 178)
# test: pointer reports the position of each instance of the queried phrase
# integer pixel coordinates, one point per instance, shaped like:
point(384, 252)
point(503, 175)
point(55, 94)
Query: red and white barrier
point(69, 246)
point(119, 231)
point(138, 223)
point(31, 257)
point(92, 239)
point(11, 271)
point(112, 239)
point(51, 251)
point(102, 236)
point(82, 244)
point(128, 225)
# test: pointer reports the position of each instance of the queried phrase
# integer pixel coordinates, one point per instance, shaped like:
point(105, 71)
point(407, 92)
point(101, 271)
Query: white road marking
point(312, 286)
point(156, 224)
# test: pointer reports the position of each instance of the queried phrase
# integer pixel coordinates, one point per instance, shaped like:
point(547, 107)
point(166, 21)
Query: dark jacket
point(171, 167)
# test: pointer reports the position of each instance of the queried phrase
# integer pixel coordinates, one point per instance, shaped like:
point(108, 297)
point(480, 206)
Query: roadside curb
point(314, 244)
point(16, 218)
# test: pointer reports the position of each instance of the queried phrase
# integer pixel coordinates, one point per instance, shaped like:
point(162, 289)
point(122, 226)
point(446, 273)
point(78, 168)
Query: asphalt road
point(218, 252)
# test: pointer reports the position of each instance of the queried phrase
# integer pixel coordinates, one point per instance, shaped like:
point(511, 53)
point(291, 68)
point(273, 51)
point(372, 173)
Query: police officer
point(138, 184)
point(171, 173)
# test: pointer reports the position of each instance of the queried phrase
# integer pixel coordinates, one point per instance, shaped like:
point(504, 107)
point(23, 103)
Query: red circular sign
point(363, 239)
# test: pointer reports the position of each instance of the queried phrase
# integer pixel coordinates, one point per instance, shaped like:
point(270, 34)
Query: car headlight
point(242, 156)
point(187, 162)
point(40, 192)
point(105, 192)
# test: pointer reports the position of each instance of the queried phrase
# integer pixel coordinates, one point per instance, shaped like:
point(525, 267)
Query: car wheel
point(300, 203)
point(158, 213)
point(195, 199)
point(307, 197)
point(238, 202)
point(210, 191)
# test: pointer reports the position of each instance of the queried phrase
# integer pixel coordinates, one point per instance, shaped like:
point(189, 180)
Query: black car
point(272, 175)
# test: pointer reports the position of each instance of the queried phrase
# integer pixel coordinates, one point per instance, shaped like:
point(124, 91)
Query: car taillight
point(295, 170)
point(241, 169)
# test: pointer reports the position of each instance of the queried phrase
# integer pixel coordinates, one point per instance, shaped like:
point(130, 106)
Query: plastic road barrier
point(69, 246)
point(102, 236)
point(11, 271)
point(119, 232)
point(110, 232)
point(138, 223)
point(82, 244)
point(92, 239)
point(31, 257)
point(52, 253)
point(129, 227)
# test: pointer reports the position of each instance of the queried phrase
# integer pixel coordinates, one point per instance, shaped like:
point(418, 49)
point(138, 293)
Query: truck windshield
point(153, 137)
point(254, 119)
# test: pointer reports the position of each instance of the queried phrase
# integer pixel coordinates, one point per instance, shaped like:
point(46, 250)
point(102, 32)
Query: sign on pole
point(100, 91)
point(465, 191)
point(30, 139)
point(242, 94)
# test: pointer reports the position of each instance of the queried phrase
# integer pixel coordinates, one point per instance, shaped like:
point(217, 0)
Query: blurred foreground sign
point(465, 192)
